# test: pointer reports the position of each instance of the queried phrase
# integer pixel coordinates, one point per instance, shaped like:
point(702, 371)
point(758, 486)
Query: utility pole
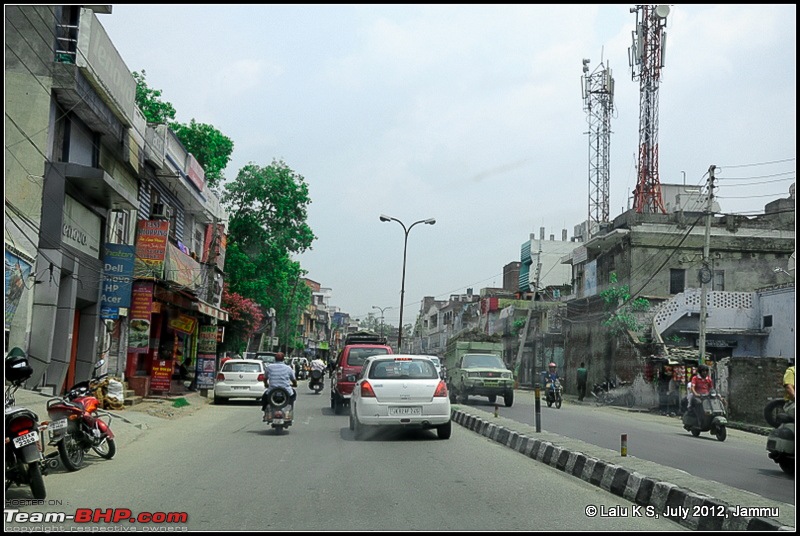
point(706, 274)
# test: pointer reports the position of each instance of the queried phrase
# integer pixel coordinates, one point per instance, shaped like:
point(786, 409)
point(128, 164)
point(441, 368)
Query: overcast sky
point(472, 115)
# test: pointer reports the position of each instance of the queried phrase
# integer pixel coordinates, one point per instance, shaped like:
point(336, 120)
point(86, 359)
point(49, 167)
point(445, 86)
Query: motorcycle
point(25, 463)
point(608, 393)
point(316, 381)
point(279, 409)
point(780, 442)
point(553, 394)
point(76, 423)
point(714, 417)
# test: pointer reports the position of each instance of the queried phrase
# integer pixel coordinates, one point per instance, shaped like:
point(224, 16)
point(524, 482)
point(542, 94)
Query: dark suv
point(357, 348)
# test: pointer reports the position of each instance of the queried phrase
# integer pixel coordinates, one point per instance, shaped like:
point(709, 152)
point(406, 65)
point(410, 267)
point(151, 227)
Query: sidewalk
point(128, 423)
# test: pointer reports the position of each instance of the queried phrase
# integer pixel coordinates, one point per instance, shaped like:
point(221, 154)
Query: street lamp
point(429, 221)
point(382, 309)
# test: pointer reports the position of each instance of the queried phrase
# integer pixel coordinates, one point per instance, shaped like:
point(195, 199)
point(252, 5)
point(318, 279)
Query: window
point(719, 280)
point(677, 280)
point(768, 321)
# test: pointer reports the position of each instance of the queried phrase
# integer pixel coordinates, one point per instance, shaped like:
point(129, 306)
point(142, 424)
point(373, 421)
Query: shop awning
point(210, 310)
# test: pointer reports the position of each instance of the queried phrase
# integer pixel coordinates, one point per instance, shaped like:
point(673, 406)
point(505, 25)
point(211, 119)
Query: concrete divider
point(641, 482)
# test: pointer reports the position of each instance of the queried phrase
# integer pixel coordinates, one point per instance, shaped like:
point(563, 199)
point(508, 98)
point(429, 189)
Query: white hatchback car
point(239, 378)
point(400, 390)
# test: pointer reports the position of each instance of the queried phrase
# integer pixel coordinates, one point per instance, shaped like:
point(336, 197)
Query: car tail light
point(441, 389)
point(366, 390)
point(220, 377)
point(260, 378)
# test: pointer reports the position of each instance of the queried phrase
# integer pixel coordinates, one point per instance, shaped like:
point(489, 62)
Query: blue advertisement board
point(117, 278)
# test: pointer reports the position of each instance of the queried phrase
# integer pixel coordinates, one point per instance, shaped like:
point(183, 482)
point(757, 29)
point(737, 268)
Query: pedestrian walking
point(583, 376)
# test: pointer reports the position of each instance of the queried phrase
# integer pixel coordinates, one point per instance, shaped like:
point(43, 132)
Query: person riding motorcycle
point(279, 374)
point(701, 385)
point(318, 364)
point(551, 376)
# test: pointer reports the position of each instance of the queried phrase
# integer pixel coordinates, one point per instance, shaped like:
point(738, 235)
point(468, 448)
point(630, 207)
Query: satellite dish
point(662, 11)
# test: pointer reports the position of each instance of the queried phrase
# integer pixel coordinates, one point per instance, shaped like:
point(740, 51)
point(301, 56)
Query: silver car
point(400, 390)
point(239, 378)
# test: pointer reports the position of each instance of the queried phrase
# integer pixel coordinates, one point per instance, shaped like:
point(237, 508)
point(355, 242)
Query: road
point(740, 461)
point(226, 471)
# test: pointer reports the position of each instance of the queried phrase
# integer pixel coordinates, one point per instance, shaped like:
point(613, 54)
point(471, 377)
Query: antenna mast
point(646, 57)
point(598, 102)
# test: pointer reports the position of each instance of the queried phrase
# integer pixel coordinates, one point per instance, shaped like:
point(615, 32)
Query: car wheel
point(453, 397)
point(787, 465)
point(333, 401)
point(443, 431)
point(339, 409)
point(508, 398)
point(352, 423)
point(492, 399)
point(218, 400)
point(695, 432)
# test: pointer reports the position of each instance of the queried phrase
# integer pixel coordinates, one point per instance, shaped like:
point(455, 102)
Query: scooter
point(279, 410)
point(316, 381)
point(780, 442)
point(553, 394)
point(76, 424)
point(25, 463)
point(714, 420)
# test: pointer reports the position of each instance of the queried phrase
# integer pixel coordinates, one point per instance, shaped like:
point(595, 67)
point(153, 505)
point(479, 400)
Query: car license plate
point(26, 439)
point(57, 425)
point(402, 411)
point(277, 421)
point(240, 388)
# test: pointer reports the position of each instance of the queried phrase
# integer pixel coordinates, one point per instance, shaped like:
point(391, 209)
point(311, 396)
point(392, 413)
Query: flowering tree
point(244, 317)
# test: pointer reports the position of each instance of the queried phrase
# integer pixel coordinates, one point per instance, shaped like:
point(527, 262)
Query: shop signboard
point(141, 305)
point(117, 279)
point(206, 356)
point(152, 237)
point(161, 375)
point(17, 271)
point(183, 323)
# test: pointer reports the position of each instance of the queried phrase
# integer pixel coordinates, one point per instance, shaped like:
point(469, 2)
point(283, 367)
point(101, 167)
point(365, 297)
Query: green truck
point(475, 367)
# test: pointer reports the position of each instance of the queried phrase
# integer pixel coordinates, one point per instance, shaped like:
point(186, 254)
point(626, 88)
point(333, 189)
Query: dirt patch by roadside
point(170, 408)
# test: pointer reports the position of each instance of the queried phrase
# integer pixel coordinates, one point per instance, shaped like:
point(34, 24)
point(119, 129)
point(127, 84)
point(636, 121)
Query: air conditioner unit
point(160, 211)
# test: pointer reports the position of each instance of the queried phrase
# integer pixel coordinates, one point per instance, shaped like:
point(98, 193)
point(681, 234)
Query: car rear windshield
point(241, 367)
point(482, 361)
point(407, 369)
point(357, 356)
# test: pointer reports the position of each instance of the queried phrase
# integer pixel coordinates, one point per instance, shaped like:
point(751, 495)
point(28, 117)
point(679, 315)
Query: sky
point(472, 115)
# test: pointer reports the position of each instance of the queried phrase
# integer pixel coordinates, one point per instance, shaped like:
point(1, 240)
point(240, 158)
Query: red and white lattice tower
point(646, 57)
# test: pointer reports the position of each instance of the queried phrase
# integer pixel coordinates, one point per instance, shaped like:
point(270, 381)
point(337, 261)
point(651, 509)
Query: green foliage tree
point(210, 147)
point(621, 308)
point(268, 212)
point(149, 101)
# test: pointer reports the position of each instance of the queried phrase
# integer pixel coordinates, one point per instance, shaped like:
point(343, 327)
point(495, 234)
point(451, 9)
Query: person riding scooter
point(279, 374)
point(701, 385)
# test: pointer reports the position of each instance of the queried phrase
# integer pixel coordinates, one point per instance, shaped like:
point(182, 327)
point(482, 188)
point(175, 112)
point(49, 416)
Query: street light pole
point(382, 309)
point(429, 221)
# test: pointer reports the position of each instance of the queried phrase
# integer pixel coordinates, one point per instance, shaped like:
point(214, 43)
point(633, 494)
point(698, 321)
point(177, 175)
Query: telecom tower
point(646, 57)
point(598, 102)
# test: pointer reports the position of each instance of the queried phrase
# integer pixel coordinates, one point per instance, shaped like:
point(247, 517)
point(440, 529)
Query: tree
point(244, 316)
point(268, 211)
point(621, 307)
point(149, 101)
point(210, 147)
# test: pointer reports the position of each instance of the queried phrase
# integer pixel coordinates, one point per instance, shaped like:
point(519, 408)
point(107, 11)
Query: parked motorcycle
point(279, 409)
point(780, 442)
point(609, 393)
point(316, 381)
point(76, 424)
point(553, 394)
point(25, 464)
point(715, 417)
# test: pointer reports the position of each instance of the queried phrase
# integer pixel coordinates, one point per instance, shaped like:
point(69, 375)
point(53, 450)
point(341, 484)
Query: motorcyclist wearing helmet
point(551, 376)
point(279, 374)
point(701, 385)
